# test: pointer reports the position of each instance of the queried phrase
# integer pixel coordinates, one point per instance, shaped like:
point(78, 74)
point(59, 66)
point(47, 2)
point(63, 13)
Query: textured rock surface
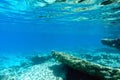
point(111, 42)
point(99, 71)
point(106, 2)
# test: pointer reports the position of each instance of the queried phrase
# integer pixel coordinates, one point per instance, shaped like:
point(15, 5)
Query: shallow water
point(31, 27)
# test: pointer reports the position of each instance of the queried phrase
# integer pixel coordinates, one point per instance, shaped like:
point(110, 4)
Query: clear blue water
point(18, 37)
point(27, 27)
point(40, 32)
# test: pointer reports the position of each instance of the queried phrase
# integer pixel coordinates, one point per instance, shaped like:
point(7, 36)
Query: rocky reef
point(72, 1)
point(37, 59)
point(95, 70)
point(106, 2)
point(111, 42)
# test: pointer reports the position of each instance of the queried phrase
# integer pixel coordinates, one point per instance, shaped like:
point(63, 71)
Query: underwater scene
point(59, 39)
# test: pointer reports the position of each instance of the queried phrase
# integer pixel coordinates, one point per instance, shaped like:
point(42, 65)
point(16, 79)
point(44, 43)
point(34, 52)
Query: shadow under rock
point(70, 73)
point(59, 70)
point(77, 75)
point(35, 60)
point(39, 59)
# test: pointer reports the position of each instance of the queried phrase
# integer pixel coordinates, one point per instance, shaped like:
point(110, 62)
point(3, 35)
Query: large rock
point(92, 69)
point(106, 2)
point(111, 42)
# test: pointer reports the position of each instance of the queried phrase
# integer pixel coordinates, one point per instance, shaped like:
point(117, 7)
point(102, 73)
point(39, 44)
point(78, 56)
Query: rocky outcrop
point(92, 69)
point(106, 2)
point(70, 1)
point(37, 59)
point(111, 42)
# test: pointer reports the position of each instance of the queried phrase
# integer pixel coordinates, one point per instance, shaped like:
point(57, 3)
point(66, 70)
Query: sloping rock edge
point(95, 70)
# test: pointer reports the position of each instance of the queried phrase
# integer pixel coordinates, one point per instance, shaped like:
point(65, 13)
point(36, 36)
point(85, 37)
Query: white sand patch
point(46, 71)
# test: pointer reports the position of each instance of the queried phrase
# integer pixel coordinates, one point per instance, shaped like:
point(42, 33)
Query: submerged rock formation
point(106, 2)
point(112, 42)
point(92, 69)
point(37, 59)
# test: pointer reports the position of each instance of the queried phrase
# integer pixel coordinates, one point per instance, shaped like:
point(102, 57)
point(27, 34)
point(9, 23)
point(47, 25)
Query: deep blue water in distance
point(31, 37)
point(29, 27)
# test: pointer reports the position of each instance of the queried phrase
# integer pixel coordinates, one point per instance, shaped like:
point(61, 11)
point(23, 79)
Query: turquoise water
point(30, 27)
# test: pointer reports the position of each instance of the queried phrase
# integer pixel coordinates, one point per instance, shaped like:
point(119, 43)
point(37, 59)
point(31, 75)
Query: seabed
point(47, 67)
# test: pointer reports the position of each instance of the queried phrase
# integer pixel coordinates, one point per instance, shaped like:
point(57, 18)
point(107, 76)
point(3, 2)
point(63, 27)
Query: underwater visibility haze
point(29, 28)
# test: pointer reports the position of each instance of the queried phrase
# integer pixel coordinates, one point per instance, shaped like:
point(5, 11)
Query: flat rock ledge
point(84, 66)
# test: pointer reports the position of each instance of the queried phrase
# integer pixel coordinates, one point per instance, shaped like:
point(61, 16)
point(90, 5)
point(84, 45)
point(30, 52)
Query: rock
point(39, 59)
point(60, 0)
point(71, 1)
point(92, 69)
point(111, 42)
point(106, 2)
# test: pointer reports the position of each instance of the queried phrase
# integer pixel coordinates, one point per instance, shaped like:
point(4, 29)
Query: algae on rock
point(92, 69)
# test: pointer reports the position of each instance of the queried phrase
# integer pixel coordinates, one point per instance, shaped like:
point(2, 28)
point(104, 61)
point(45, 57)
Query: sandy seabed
point(49, 68)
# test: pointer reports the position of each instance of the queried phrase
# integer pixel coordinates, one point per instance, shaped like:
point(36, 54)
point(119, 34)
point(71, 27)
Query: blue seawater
point(26, 29)
point(30, 27)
